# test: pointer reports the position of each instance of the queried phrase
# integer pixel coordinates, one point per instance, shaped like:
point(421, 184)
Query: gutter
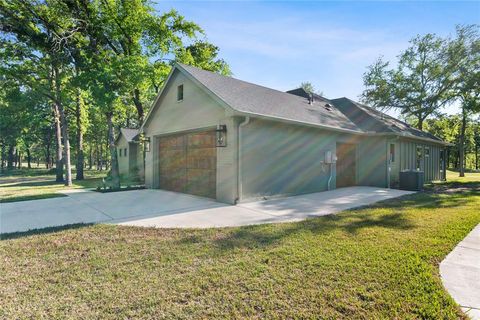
point(342, 130)
point(302, 123)
point(239, 159)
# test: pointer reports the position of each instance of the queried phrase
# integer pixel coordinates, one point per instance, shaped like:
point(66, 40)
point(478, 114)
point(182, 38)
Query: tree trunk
point(58, 139)
point(11, 156)
point(64, 125)
point(113, 153)
point(80, 156)
point(66, 146)
point(138, 105)
point(3, 157)
point(90, 158)
point(19, 159)
point(29, 158)
point(476, 156)
point(47, 154)
point(100, 157)
point(461, 147)
point(420, 122)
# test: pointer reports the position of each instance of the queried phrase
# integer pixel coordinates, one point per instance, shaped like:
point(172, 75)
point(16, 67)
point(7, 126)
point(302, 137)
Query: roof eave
point(408, 136)
point(286, 120)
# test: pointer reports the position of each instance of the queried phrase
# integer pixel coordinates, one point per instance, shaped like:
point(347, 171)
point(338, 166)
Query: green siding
point(430, 165)
point(372, 162)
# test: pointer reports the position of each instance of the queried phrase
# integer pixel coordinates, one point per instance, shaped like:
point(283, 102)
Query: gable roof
point(128, 133)
point(248, 99)
point(370, 119)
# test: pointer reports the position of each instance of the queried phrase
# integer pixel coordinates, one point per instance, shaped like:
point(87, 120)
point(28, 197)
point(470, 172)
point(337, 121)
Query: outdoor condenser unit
point(411, 180)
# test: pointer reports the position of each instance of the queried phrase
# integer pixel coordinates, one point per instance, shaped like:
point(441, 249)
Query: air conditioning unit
point(411, 180)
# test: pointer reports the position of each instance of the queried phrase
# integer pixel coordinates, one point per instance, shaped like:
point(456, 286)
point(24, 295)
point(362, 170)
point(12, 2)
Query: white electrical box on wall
point(330, 157)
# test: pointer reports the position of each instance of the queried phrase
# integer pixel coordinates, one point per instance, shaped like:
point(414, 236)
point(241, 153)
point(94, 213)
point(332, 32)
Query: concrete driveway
point(164, 209)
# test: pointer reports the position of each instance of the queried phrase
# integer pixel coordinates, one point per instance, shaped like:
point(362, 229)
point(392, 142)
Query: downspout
point(331, 175)
point(239, 159)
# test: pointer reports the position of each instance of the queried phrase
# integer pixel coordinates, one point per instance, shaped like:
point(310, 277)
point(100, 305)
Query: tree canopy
point(91, 66)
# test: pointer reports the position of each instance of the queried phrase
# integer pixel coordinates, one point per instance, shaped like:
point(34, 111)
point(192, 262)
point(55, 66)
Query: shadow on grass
point(351, 221)
point(267, 235)
point(16, 235)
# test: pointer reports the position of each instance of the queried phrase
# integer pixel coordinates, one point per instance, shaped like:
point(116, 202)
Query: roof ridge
point(232, 78)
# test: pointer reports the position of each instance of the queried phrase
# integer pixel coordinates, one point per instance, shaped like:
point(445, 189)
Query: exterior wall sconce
point(146, 144)
point(221, 135)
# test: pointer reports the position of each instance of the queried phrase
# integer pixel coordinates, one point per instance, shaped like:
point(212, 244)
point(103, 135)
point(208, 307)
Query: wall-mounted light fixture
point(221, 135)
point(146, 144)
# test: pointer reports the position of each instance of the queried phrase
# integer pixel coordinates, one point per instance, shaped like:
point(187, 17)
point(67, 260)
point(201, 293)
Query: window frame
point(392, 152)
point(180, 92)
point(419, 157)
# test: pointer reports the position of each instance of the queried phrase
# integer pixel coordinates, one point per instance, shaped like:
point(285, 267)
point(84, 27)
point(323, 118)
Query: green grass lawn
point(376, 262)
point(25, 184)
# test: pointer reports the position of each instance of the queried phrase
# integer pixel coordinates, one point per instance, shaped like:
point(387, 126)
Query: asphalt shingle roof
point(370, 119)
point(129, 134)
point(254, 99)
point(293, 105)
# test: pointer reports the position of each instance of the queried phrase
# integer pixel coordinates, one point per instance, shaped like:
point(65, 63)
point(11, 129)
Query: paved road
point(164, 209)
point(460, 272)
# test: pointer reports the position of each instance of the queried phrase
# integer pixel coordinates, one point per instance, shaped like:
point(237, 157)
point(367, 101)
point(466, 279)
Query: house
point(129, 154)
point(227, 139)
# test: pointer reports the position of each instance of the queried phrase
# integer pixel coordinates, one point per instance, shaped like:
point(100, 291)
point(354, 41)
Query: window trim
point(392, 153)
point(178, 92)
point(418, 160)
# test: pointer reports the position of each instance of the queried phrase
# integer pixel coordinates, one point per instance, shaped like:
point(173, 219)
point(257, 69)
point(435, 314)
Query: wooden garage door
point(188, 163)
point(346, 165)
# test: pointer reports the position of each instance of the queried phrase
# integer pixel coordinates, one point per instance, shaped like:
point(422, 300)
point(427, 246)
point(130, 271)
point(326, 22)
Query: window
point(119, 151)
point(419, 157)
point(180, 92)
point(125, 152)
point(427, 152)
point(392, 152)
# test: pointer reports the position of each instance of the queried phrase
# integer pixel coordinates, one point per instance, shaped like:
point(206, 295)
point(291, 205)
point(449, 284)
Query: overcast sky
point(281, 44)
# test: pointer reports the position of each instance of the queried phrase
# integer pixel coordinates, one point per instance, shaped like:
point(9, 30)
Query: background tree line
point(431, 74)
point(71, 71)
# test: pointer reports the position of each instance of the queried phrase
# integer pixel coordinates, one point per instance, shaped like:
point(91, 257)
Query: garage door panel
point(201, 140)
point(188, 163)
point(173, 159)
point(174, 142)
point(201, 159)
point(201, 182)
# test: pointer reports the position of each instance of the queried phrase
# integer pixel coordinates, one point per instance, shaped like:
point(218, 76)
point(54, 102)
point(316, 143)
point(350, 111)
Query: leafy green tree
point(35, 35)
point(310, 88)
point(464, 53)
point(418, 86)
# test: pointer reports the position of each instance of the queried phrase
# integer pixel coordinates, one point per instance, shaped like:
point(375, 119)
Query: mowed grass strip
point(38, 184)
point(375, 262)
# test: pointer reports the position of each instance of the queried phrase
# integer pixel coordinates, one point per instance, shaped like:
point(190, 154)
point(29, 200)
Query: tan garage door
point(188, 163)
